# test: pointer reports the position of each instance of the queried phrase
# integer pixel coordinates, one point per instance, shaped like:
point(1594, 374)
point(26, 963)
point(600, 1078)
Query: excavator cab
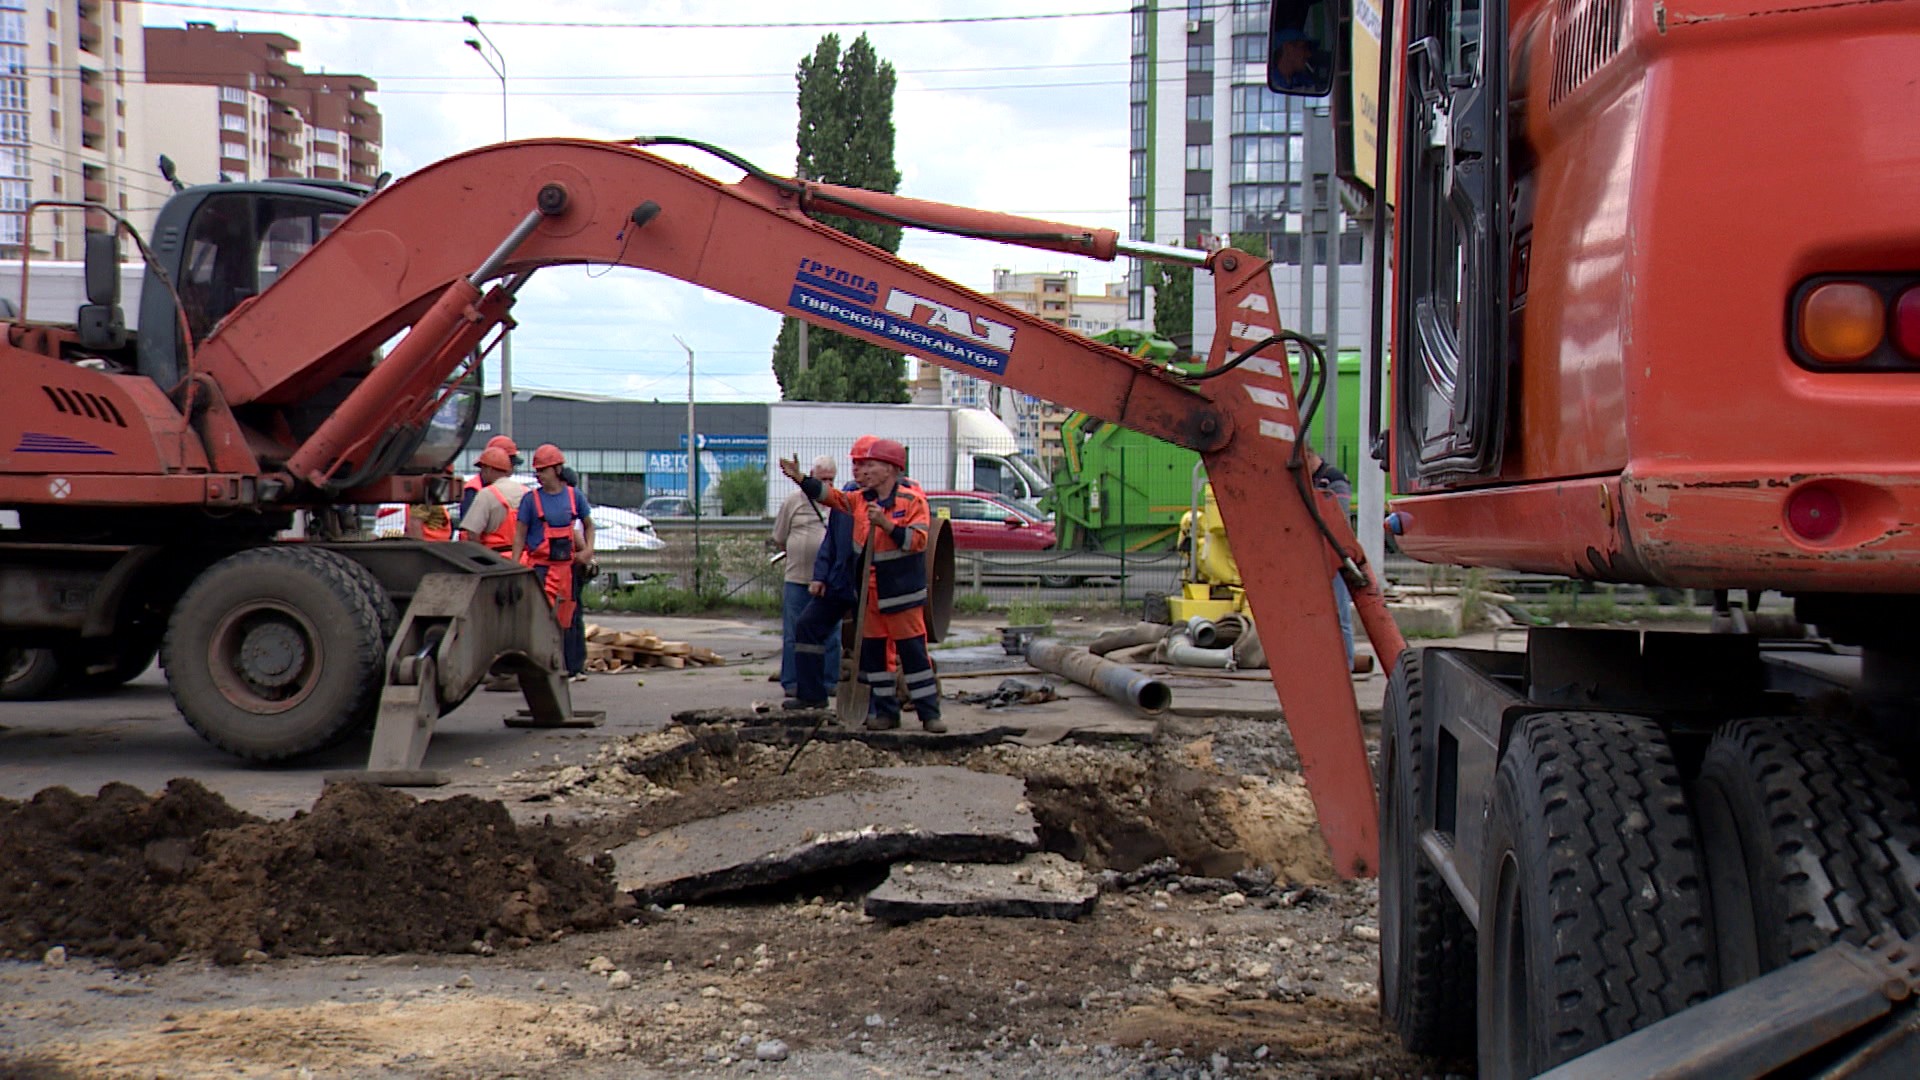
point(220, 245)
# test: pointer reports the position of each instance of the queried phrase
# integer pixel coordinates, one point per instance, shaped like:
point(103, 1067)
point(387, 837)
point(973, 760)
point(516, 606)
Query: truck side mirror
point(1302, 44)
point(100, 323)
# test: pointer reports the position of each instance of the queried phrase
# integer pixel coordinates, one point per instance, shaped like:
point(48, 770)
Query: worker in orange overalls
point(544, 533)
point(895, 518)
point(491, 518)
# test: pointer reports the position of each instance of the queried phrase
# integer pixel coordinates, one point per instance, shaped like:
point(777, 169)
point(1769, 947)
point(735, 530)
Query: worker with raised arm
point(894, 518)
point(491, 519)
point(544, 534)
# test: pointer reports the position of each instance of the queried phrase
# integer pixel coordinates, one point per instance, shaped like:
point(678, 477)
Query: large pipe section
point(1146, 633)
point(1181, 650)
point(1116, 681)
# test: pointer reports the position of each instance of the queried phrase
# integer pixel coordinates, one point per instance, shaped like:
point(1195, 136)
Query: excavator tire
point(389, 613)
point(1427, 951)
point(28, 674)
point(1595, 916)
point(275, 652)
point(1811, 838)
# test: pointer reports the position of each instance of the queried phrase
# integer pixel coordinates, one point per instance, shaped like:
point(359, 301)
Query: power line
point(349, 16)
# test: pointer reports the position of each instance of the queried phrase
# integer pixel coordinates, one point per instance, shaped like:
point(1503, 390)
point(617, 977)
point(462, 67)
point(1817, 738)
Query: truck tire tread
point(1593, 809)
point(1432, 999)
point(1834, 853)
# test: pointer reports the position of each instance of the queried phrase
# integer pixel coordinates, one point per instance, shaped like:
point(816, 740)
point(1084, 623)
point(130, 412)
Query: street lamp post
point(693, 467)
point(498, 63)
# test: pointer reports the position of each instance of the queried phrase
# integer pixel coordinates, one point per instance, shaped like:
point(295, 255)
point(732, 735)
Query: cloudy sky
point(1024, 116)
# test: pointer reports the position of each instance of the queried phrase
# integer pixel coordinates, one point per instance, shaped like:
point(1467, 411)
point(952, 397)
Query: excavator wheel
point(1427, 952)
point(28, 673)
point(275, 652)
point(1811, 837)
point(376, 594)
point(1594, 921)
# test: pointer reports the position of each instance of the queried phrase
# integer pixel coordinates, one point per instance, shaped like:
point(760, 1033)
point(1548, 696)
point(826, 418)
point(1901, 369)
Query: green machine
point(1119, 490)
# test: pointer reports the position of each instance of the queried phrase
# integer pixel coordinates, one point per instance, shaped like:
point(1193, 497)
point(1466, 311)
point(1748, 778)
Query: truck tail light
point(1906, 323)
point(1842, 322)
point(1856, 322)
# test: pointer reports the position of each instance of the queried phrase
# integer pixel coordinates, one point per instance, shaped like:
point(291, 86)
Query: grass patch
point(1030, 612)
point(970, 603)
point(968, 643)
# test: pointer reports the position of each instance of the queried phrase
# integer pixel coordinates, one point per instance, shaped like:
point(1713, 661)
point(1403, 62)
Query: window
point(1137, 124)
point(1139, 31)
point(13, 127)
point(1199, 207)
point(234, 123)
point(1200, 156)
point(233, 95)
point(1249, 16)
point(1137, 218)
point(13, 26)
point(326, 160)
point(1200, 57)
point(1200, 107)
point(1256, 110)
point(1137, 174)
point(1250, 51)
point(13, 59)
point(13, 195)
point(1264, 159)
point(1255, 207)
point(13, 94)
point(234, 150)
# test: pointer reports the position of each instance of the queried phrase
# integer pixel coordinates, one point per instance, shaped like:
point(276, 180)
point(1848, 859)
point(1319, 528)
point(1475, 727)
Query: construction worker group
point(888, 523)
point(548, 527)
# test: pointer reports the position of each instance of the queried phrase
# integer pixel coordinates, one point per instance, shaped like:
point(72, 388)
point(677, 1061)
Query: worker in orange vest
point(493, 517)
point(475, 482)
point(544, 533)
point(895, 519)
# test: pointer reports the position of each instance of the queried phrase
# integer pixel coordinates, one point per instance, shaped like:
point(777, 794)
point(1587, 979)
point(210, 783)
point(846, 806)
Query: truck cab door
point(1452, 353)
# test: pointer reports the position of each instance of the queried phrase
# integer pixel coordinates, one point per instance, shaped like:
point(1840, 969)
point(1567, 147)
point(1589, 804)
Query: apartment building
point(232, 104)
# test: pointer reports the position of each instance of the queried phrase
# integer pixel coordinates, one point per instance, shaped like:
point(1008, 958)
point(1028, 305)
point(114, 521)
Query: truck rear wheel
point(1810, 837)
point(1594, 916)
point(1427, 950)
point(275, 652)
point(28, 673)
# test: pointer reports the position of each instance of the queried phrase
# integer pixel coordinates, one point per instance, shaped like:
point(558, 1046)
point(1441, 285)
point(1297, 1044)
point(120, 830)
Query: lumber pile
point(615, 651)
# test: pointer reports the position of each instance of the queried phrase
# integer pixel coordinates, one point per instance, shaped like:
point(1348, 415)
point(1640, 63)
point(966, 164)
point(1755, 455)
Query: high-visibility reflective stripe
point(888, 603)
point(918, 528)
point(799, 647)
point(889, 556)
point(915, 678)
point(919, 692)
point(883, 691)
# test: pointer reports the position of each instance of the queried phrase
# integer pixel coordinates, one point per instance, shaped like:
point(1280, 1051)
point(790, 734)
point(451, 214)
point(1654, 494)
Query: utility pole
point(1326, 200)
point(693, 467)
point(498, 62)
point(800, 174)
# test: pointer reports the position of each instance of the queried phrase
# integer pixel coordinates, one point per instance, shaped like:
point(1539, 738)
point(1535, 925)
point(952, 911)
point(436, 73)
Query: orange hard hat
point(885, 450)
point(494, 457)
point(505, 445)
point(861, 445)
point(548, 454)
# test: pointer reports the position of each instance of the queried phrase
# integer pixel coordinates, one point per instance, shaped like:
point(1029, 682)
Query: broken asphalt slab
point(935, 812)
point(1043, 886)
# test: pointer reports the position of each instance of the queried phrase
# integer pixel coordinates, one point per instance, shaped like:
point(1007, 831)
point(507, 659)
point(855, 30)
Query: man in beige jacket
point(798, 529)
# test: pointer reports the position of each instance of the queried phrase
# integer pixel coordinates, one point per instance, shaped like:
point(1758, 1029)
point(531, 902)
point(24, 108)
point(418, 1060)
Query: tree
point(743, 491)
point(845, 138)
point(1172, 302)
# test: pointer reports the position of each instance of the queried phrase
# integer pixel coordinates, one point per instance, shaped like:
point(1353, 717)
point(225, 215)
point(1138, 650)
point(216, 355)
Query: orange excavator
point(1610, 367)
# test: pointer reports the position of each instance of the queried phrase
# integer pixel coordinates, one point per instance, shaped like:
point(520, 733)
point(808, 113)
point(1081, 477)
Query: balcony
point(92, 93)
point(91, 35)
point(364, 153)
point(94, 191)
point(92, 127)
point(284, 120)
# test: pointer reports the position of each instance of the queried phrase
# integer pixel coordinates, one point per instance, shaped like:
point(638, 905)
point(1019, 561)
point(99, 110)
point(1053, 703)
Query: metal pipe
point(514, 239)
point(1140, 249)
point(1200, 630)
point(1117, 681)
point(1182, 651)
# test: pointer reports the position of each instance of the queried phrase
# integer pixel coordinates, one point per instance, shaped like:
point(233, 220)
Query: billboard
point(1357, 92)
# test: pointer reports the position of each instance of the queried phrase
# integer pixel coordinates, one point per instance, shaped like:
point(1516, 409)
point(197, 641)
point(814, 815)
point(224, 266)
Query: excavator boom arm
point(418, 254)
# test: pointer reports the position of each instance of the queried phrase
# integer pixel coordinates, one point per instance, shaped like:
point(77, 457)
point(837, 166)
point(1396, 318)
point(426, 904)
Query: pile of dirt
point(367, 871)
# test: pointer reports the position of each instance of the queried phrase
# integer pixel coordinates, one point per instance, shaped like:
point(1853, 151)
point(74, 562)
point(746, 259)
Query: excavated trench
point(140, 879)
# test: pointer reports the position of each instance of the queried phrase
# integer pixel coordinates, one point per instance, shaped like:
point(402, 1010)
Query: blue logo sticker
point(35, 442)
point(915, 323)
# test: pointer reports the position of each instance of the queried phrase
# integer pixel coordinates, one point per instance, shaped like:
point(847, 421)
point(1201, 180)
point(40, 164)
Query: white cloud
point(962, 137)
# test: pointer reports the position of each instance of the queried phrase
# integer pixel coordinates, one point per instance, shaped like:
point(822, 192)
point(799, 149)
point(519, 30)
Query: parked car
point(668, 506)
point(991, 522)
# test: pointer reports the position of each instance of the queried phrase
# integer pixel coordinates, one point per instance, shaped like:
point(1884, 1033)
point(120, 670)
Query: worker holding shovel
point(890, 523)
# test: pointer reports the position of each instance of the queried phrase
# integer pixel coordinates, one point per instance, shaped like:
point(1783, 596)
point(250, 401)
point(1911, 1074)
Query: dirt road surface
point(176, 913)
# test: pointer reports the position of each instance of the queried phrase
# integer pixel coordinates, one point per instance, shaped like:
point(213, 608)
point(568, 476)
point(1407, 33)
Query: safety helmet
point(861, 445)
point(505, 444)
point(548, 454)
point(494, 457)
point(885, 450)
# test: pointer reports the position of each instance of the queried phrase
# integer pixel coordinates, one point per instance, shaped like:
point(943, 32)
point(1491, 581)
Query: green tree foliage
point(743, 492)
point(845, 138)
point(1172, 302)
point(1252, 243)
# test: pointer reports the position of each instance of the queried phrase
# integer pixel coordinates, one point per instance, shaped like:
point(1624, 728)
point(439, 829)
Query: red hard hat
point(505, 445)
point(548, 454)
point(885, 450)
point(494, 457)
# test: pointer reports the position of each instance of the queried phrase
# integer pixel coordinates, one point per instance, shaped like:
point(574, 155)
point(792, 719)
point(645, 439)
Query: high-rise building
point(232, 104)
point(69, 126)
point(1213, 152)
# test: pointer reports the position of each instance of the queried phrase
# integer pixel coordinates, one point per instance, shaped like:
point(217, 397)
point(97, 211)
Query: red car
point(983, 522)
